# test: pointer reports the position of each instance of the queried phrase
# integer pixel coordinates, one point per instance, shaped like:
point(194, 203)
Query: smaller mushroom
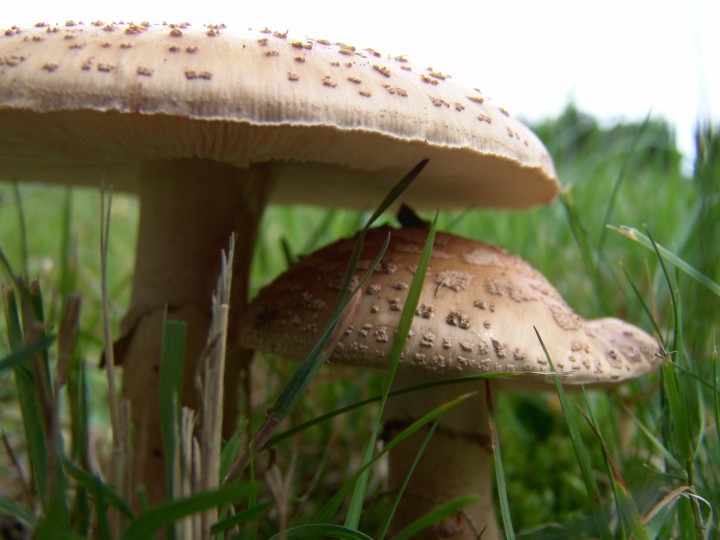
point(477, 313)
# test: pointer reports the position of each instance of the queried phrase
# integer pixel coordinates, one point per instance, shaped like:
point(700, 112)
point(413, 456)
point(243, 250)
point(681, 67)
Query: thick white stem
point(456, 462)
point(187, 211)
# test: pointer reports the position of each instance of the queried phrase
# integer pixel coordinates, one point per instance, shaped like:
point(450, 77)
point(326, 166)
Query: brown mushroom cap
point(476, 314)
point(81, 101)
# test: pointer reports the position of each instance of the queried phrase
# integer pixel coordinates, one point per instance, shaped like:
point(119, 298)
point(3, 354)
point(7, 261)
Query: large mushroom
point(477, 314)
point(205, 125)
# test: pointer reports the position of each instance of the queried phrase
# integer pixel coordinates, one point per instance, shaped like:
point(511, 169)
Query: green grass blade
point(172, 362)
point(25, 353)
point(275, 439)
point(716, 393)
point(499, 469)
point(437, 514)
point(318, 356)
point(406, 480)
point(352, 518)
point(167, 513)
point(241, 518)
point(22, 227)
point(323, 530)
point(646, 241)
point(100, 490)
point(622, 174)
point(328, 512)
point(304, 375)
point(625, 504)
point(583, 458)
point(11, 508)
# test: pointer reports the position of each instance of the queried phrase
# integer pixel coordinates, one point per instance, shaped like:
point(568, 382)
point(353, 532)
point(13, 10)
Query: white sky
point(617, 59)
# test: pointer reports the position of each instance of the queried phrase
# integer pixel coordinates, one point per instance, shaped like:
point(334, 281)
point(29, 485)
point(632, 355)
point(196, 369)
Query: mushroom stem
point(456, 462)
point(188, 208)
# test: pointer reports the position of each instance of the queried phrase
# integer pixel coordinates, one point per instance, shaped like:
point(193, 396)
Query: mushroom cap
point(477, 313)
point(80, 102)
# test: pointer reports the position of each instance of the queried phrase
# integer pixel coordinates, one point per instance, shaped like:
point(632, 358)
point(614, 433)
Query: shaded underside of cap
point(77, 101)
point(477, 313)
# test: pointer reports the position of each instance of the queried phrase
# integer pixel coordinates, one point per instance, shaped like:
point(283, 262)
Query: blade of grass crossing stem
point(172, 361)
point(316, 358)
point(406, 480)
point(312, 363)
point(363, 403)
point(352, 519)
point(599, 515)
point(435, 515)
point(328, 512)
point(499, 470)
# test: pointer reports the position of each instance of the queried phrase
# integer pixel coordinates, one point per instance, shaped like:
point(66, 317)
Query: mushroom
point(477, 313)
point(206, 125)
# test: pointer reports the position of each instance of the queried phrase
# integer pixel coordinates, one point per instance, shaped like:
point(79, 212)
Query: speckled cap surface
point(339, 124)
point(476, 314)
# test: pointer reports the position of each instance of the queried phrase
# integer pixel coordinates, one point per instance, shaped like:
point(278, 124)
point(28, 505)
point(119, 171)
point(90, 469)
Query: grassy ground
point(660, 433)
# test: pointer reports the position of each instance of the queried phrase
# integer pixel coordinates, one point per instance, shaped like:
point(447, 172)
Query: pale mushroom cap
point(476, 314)
point(81, 101)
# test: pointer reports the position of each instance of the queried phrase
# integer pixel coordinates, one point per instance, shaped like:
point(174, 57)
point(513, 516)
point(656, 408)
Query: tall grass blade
point(406, 318)
point(583, 459)
point(172, 363)
point(624, 166)
point(499, 469)
point(28, 393)
point(646, 241)
point(625, 504)
point(22, 227)
point(318, 356)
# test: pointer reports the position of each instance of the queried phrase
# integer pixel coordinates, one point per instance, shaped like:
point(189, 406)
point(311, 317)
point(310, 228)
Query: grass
point(641, 460)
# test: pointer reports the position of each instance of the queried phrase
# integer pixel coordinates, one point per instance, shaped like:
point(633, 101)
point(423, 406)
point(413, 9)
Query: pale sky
point(617, 59)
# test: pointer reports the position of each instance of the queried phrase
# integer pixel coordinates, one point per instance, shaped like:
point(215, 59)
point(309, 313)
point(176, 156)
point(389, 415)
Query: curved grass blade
point(304, 375)
point(395, 393)
point(646, 241)
point(241, 518)
point(435, 515)
point(26, 352)
point(406, 480)
point(406, 318)
point(599, 514)
point(331, 508)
